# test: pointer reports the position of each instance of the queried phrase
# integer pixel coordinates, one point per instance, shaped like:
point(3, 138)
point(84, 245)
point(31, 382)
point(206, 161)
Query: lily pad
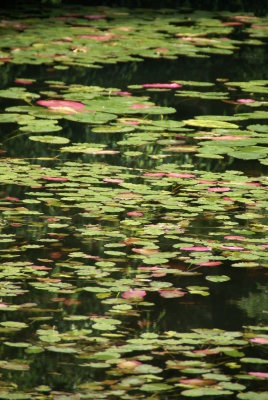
point(200, 392)
point(50, 139)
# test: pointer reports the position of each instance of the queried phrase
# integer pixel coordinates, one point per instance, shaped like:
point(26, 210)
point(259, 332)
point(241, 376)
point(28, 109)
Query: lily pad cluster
point(93, 37)
point(203, 362)
point(116, 211)
point(77, 226)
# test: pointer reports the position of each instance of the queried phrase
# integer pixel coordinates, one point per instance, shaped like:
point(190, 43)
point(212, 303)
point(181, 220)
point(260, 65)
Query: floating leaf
point(134, 294)
point(263, 375)
point(206, 123)
point(200, 392)
point(50, 139)
point(162, 85)
point(253, 396)
point(217, 278)
point(155, 387)
point(14, 324)
point(64, 106)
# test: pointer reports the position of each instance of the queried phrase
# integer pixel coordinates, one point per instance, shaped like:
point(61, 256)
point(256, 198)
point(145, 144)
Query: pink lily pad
point(55, 255)
point(138, 106)
point(5, 59)
point(135, 214)
point(131, 122)
point(259, 374)
point(197, 382)
point(41, 267)
point(113, 180)
point(64, 106)
point(162, 85)
point(207, 351)
point(235, 248)
point(23, 81)
point(245, 101)
point(169, 293)
point(145, 268)
point(8, 198)
point(245, 18)
point(128, 364)
point(257, 26)
point(210, 264)
point(135, 294)
point(259, 340)
point(220, 138)
point(162, 50)
point(229, 237)
point(158, 274)
point(219, 189)
point(196, 248)
point(178, 175)
point(55, 178)
point(226, 198)
point(232, 23)
point(206, 181)
point(154, 174)
point(122, 93)
point(253, 184)
point(144, 250)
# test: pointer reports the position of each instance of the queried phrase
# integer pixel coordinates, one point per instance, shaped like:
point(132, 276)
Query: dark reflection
point(153, 70)
point(228, 307)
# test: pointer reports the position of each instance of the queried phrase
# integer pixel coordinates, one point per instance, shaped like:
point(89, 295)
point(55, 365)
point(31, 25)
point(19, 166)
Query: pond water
point(133, 203)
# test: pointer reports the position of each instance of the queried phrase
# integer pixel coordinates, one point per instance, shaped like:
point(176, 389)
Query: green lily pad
point(207, 123)
point(14, 324)
point(253, 396)
point(200, 392)
point(217, 278)
point(155, 387)
point(50, 139)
